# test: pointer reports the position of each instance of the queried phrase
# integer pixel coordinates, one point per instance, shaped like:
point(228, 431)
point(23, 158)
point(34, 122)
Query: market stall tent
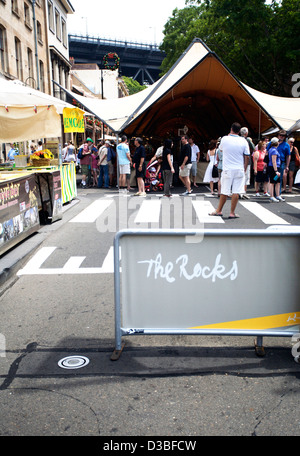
point(25, 122)
point(199, 92)
point(27, 113)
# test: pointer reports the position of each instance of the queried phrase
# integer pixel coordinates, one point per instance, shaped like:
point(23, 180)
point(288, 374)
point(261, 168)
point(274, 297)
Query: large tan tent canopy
point(198, 92)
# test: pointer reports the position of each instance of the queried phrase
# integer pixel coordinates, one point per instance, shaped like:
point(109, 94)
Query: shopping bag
point(297, 177)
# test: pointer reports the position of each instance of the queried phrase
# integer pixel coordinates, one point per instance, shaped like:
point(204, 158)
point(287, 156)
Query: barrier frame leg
point(259, 348)
point(117, 353)
point(117, 282)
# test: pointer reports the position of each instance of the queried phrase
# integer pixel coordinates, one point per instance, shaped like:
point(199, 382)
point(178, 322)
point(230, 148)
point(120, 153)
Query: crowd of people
point(232, 161)
point(273, 163)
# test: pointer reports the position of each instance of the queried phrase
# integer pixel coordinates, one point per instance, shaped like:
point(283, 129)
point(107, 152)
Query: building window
point(15, 6)
point(27, 17)
point(64, 33)
point(42, 77)
point(19, 69)
point(57, 25)
point(39, 32)
point(50, 16)
point(30, 80)
point(3, 50)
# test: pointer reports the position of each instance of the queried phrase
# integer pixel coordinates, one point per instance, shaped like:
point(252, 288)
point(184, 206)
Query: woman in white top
point(211, 157)
point(70, 154)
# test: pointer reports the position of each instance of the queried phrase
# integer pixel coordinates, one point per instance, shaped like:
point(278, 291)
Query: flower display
point(42, 154)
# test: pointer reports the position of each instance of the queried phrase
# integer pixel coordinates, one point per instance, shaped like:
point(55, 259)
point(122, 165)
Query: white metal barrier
point(207, 282)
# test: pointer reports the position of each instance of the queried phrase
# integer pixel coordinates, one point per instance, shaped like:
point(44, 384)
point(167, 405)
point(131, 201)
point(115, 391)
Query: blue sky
point(134, 20)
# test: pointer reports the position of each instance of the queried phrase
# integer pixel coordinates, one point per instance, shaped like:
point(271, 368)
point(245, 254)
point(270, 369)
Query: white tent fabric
point(207, 74)
point(21, 123)
point(113, 113)
point(184, 65)
point(295, 127)
point(117, 113)
point(26, 113)
point(15, 93)
point(285, 111)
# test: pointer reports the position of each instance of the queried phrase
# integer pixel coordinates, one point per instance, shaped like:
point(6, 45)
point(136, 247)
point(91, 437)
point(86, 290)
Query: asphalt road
point(171, 385)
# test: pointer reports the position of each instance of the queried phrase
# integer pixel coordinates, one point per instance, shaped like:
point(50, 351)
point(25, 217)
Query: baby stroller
point(153, 182)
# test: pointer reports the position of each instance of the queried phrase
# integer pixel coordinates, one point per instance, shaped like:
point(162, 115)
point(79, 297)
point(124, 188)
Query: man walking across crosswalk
point(235, 161)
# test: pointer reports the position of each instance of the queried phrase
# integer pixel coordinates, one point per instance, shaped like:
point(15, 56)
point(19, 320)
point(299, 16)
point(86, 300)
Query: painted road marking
point(296, 205)
point(264, 214)
point(71, 267)
point(203, 209)
point(149, 212)
point(92, 212)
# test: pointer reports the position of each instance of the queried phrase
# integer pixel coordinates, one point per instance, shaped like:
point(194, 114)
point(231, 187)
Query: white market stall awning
point(21, 123)
point(26, 113)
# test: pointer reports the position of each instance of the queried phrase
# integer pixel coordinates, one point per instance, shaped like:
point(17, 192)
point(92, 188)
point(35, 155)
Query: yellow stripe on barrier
point(260, 323)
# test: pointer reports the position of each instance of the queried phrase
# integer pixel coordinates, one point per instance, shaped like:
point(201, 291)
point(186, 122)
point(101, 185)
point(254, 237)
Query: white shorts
point(247, 175)
point(124, 169)
point(185, 172)
point(232, 182)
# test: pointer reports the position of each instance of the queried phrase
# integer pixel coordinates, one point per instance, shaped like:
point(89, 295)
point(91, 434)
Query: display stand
point(19, 215)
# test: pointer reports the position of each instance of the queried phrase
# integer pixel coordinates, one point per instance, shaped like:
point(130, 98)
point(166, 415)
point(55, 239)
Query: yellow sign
point(73, 120)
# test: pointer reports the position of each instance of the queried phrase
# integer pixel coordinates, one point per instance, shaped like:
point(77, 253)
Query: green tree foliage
point(259, 41)
point(132, 85)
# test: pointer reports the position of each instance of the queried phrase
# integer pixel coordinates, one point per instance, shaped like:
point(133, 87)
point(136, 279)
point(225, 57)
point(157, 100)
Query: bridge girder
point(140, 61)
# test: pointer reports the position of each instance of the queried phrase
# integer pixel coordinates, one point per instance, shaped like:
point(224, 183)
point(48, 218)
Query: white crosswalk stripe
point(92, 212)
point(149, 212)
point(266, 216)
point(296, 205)
point(203, 209)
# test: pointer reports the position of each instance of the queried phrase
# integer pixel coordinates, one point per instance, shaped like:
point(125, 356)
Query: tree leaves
point(258, 40)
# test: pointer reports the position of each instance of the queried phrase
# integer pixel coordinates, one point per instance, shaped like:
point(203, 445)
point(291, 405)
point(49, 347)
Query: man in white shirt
point(194, 158)
point(236, 156)
point(124, 161)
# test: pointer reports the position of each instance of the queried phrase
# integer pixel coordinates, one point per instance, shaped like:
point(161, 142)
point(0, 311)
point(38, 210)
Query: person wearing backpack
point(84, 154)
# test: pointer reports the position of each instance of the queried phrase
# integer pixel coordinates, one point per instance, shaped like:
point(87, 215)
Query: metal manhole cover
point(73, 362)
